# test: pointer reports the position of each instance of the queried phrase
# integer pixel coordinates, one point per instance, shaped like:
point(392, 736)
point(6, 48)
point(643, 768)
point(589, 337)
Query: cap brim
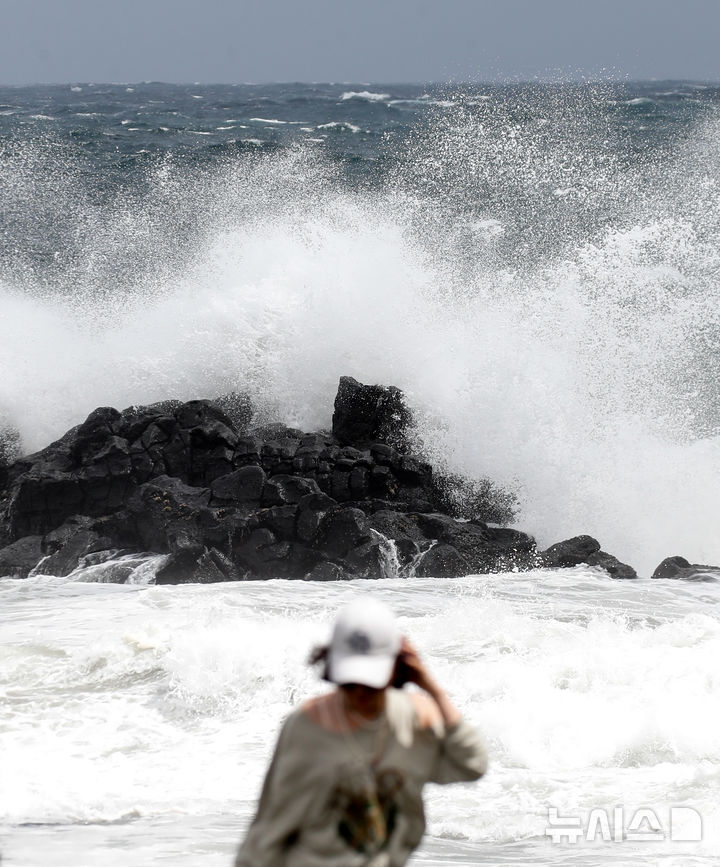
point(373, 671)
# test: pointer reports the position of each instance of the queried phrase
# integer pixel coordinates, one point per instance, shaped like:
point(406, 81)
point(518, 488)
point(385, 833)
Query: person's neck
point(358, 716)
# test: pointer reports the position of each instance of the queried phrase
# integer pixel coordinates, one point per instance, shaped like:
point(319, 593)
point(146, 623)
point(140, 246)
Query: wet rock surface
point(19, 558)
point(679, 569)
point(585, 550)
point(226, 501)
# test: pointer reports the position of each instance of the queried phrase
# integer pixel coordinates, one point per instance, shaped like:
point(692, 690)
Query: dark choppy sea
point(538, 267)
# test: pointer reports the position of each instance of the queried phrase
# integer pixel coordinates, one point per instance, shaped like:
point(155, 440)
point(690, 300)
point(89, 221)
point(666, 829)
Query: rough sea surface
point(538, 268)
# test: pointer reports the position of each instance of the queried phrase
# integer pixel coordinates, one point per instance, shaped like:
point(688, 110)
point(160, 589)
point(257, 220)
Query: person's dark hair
point(319, 656)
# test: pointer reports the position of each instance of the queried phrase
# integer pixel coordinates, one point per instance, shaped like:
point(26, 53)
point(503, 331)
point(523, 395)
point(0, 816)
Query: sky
point(234, 41)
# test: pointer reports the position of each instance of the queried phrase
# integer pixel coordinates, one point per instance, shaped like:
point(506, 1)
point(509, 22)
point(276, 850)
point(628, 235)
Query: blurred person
point(344, 787)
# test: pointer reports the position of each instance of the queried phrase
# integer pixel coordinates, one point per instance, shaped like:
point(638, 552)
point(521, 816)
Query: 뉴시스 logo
point(618, 824)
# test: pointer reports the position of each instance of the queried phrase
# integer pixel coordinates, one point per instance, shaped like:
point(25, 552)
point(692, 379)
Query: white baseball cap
point(364, 645)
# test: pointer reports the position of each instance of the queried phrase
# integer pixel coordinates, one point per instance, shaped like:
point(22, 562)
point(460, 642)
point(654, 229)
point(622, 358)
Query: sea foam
point(166, 701)
point(340, 125)
point(368, 95)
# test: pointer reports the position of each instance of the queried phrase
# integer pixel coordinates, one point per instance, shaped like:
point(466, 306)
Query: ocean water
point(537, 267)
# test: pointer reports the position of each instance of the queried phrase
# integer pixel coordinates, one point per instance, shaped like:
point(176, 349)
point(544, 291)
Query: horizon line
point(390, 83)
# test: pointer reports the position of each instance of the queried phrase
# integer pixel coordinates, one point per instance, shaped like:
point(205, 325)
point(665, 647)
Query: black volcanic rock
point(283, 490)
point(401, 529)
point(134, 420)
point(672, 567)
point(678, 568)
point(396, 525)
point(67, 546)
point(327, 571)
point(86, 472)
point(205, 415)
point(225, 501)
point(244, 485)
point(170, 515)
point(443, 561)
point(367, 560)
point(20, 558)
point(570, 552)
point(342, 530)
point(197, 567)
point(584, 550)
point(612, 565)
point(265, 554)
point(281, 520)
point(482, 548)
point(312, 508)
point(369, 414)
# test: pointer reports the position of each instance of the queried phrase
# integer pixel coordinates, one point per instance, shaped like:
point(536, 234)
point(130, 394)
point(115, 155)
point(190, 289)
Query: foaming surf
point(368, 95)
point(590, 693)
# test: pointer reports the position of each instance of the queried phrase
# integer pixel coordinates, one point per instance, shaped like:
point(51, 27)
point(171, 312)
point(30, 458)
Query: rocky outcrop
point(584, 550)
point(475, 547)
point(678, 568)
point(226, 501)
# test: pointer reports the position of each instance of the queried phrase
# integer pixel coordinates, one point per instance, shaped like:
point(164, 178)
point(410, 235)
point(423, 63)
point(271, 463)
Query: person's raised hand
point(417, 671)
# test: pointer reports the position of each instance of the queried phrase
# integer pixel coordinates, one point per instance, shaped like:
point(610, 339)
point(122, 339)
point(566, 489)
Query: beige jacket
point(340, 798)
